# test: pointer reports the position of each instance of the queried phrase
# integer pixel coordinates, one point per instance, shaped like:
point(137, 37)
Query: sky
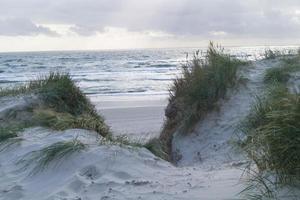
point(39, 25)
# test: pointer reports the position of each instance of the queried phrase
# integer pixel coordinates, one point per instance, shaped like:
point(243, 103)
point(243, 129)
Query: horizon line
point(149, 48)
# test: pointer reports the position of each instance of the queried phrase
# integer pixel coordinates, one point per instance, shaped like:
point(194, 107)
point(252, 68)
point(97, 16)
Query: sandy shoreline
point(136, 116)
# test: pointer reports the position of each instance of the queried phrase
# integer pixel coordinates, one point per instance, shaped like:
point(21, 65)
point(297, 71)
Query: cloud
point(85, 30)
point(214, 18)
point(22, 27)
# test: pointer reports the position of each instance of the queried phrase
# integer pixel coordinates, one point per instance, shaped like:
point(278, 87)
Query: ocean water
point(111, 73)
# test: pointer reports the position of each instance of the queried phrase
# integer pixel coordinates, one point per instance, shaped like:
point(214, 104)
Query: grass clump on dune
point(275, 53)
point(271, 54)
point(156, 146)
point(272, 139)
point(204, 81)
point(8, 132)
point(282, 73)
point(59, 92)
point(122, 140)
point(277, 74)
point(63, 121)
point(61, 104)
point(56, 152)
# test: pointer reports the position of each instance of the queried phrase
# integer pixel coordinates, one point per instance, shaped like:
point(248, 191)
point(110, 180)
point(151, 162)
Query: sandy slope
point(105, 172)
point(113, 172)
point(210, 144)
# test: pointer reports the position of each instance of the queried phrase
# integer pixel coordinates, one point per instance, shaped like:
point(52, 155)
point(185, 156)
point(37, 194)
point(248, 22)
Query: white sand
point(136, 116)
point(106, 172)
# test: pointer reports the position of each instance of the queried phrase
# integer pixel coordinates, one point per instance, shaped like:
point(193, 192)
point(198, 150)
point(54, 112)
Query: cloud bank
point(188, 18)
point(22, 27)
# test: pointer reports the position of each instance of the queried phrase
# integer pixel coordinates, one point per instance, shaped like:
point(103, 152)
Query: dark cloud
point(22, 27)
point(236, 18)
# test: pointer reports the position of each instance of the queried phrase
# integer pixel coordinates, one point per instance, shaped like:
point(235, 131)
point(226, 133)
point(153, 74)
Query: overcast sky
point(117, 24)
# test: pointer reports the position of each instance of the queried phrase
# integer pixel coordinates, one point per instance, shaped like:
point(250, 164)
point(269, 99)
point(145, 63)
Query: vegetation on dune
point(204, 81)
point(59, 92)
point(156, 146)
point(121, 140)
point(55, 152)
point(8, 132)
point(282, 73)
point(272, 137)
point(272, 54)
point(63, 121)
point(61, 104)
point(277, 74)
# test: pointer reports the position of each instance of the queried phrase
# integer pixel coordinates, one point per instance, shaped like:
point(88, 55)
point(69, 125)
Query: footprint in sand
point(14, 193)
point(90, 172)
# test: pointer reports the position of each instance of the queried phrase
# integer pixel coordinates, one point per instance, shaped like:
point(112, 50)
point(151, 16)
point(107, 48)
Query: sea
point(141, 72)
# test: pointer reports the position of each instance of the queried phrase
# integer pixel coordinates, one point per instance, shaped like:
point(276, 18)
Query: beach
point(139, 117)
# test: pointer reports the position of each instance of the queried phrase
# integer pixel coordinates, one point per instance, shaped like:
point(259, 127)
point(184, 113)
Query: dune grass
point(6, 134)
point(282, 73)
point(122, 140)
point(271, 137)
point(275, 53)
point(63, 121)
point(203, 83)
point(52, 154)
point(61, 104)
point(57, 91)
point(9, 132)
point(259, 186)
point(277, 74)
point(271, 54)
point(156, 146)
point(272, 141)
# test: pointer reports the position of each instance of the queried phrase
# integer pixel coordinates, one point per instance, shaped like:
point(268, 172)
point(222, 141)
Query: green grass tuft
point(282, 73)
point(62, 105)
point(155, 146)
point(276, 74)
point(63, 121)
point(121, 140)
point(9, 132)
point(59, 92)
point(272, 138)
point(53, 153)
point(202, 84)
point(271, 54)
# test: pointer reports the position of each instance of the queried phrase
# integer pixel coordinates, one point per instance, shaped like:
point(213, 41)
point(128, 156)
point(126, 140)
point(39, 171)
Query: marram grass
point(63, 121)
point(203, 83)
point(9, 132)
point(272, 140)
point(51, 155)
point(283, 72)
point(61, 104)
point(122, 140)
point(271, 137)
